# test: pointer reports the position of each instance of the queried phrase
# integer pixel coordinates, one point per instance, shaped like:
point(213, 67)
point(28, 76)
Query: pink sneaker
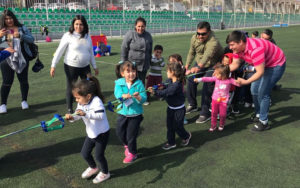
point(126, 152)
point(212, 129)
point(130, 158)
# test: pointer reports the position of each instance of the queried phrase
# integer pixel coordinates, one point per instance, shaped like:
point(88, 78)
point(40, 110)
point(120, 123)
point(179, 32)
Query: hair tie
point(88, 79)
point(133, 63)
point(120, 62)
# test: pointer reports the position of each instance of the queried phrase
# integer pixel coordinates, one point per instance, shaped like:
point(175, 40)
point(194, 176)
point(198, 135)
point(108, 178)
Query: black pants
point(175, 120)
point(142, 75)
point(207, 90)
point(100, 143)
point(72, 74)
point(8, 75)
point(127, 130)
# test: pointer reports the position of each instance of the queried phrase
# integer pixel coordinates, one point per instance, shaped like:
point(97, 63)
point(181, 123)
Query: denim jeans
point(261, 90)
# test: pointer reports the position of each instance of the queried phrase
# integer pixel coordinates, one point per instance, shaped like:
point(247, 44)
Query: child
point(156, 64)
point(173, 93)
point(220, 95)
point(91, 110)
point(254, 34)
point(177, 58)
point(132, 90)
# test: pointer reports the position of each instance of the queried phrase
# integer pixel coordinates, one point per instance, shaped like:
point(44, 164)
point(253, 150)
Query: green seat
point(18, 10)
point(24, 10)
point(38, 10)
point(37, 16)
point(31, 10)
point(30, 16)
point(44, 16)
point(23, 17)
point(33, 23)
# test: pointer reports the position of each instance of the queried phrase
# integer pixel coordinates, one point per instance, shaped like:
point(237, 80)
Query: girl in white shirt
point(91, 110)
point(79, 55)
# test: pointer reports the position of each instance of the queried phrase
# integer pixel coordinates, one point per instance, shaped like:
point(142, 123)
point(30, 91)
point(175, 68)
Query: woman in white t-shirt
point(78, 48)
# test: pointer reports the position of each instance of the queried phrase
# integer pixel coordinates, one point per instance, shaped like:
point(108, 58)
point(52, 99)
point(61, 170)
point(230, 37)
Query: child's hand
point(187, 72)
point(197, 80)
point(150, 90)
point(80, 112)
point(137, 96)
point(126, 96)
point(69, 117)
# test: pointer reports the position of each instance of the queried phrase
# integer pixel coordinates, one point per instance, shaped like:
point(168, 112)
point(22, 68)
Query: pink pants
point(151, 81)
point(218, 108)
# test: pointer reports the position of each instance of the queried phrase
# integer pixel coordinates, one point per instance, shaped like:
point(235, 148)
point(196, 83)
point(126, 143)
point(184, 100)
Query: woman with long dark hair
point(137, 47)
point(79, 55)
point(13, 32)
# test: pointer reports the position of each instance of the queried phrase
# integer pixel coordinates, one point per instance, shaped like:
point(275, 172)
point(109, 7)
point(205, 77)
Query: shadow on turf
point(23, 162)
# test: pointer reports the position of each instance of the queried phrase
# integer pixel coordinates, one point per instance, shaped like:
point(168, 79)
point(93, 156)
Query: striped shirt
point(260, 51)
point(156, 65)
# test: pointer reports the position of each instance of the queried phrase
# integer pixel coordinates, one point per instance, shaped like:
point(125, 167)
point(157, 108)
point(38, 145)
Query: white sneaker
point(146, 103)
point(101, 177)
point(24, 105)
point(3, 109)
point(89, 172)
point(253, 106)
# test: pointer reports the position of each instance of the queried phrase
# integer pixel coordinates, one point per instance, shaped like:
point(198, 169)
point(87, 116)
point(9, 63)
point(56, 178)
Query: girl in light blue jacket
point(132, 90)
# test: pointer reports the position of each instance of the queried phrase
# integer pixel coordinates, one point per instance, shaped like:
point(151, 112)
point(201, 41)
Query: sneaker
point(3, 109)
point(190, 109)
point(186, 141)
point(129, 158)
point(253, 106)
point(247, 105)
point(202, 119)
point(146, 103)
point(259, 126)
point(89, 172)
point(126, 152)
point(101, 177)
point(24, 105)
point(212, 129)
point(235, 110)
point(167, 146)
point(221, 128)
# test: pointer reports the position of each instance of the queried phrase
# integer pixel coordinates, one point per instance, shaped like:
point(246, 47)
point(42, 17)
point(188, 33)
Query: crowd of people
point(247, 67)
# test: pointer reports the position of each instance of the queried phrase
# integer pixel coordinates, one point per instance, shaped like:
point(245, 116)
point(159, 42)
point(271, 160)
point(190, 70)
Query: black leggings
point(100, 143)
point(8, 75)
point(72, 74)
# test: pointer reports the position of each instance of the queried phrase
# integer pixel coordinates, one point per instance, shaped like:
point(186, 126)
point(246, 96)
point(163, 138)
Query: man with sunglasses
point(206, 51)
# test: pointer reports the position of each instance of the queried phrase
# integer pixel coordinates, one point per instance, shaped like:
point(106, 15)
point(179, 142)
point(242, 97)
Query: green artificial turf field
point(235, 157)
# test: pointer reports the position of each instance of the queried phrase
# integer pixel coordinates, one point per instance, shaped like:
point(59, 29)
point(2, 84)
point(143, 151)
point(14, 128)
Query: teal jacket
point(136, 108)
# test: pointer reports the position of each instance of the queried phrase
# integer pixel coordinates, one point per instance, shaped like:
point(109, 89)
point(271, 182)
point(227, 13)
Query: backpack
point(34, 49)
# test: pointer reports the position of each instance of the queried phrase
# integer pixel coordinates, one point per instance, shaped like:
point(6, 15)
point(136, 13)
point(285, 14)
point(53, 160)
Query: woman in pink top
point(269, 62)
point(220, 95)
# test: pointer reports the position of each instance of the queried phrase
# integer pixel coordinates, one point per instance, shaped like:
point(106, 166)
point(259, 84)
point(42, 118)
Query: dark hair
point(203, 24)
point(255, 33)
point(236, 36)
point(87, 86)
point(140, 19)
point(268, 32)
point(224, 70)
point(177, 57)
point(158, 47)
point(122, 66)
point(178, 70)
point(12, 15)
point(84, 23)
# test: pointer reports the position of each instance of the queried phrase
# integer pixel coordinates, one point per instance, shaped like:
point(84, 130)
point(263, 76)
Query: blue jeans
point(261, 90)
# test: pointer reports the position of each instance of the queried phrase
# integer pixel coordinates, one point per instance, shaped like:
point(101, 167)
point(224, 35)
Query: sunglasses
point(202, 34)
